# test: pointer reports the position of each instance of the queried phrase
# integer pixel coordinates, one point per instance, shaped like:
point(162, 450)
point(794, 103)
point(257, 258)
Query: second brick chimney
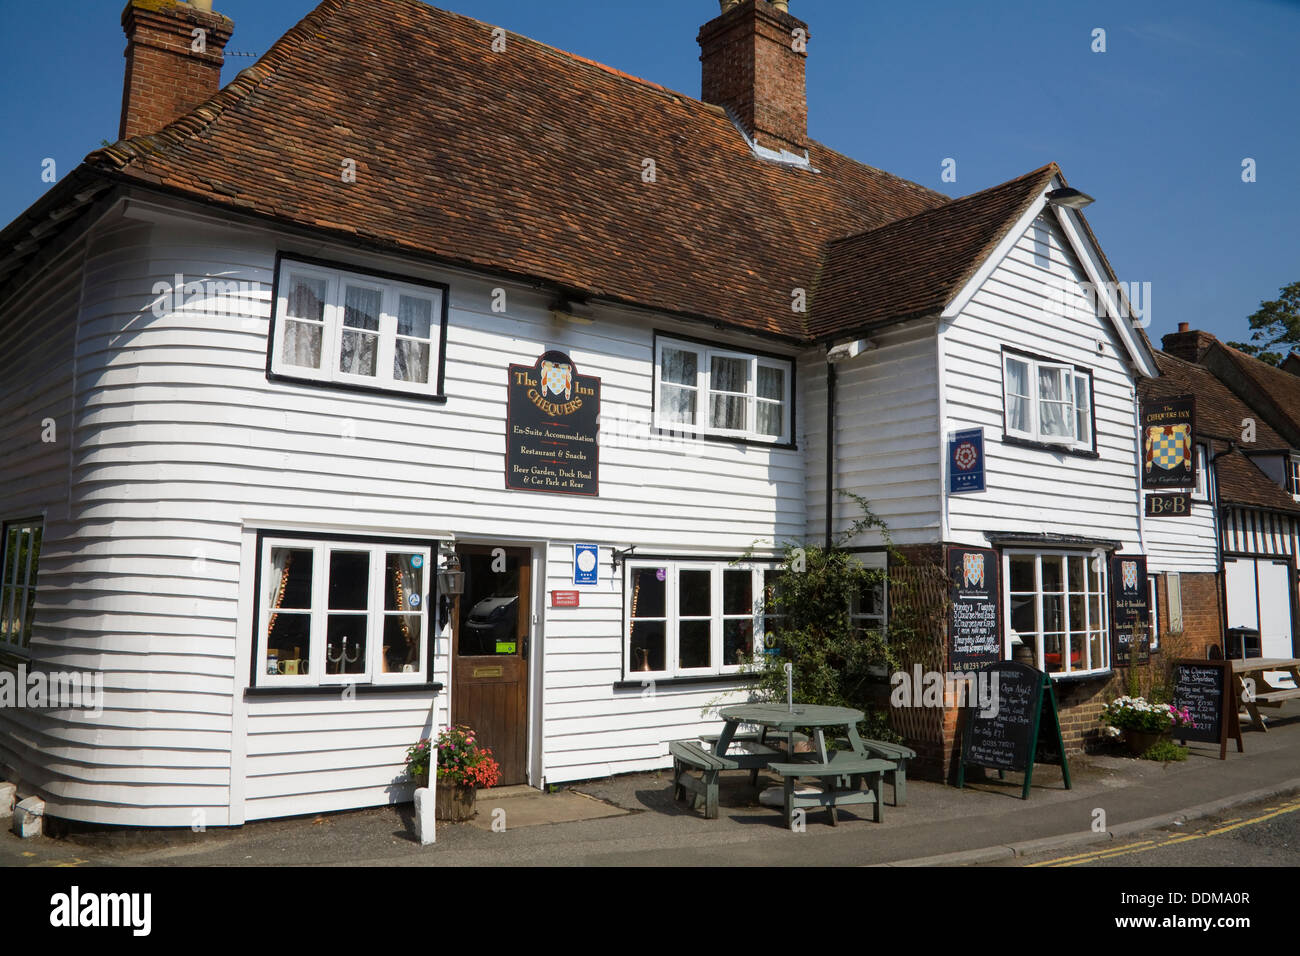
point(1190, 345)
point(753, 58)
point(174, 54)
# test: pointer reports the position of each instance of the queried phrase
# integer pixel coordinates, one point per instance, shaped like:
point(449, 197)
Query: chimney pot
point(1183, 326)
point(174, 55)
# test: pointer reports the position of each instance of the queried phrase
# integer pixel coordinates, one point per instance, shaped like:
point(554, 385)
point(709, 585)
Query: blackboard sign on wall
point(1008, 739)
point(974, 638)
point(552, 426)
point(1206, 689)
point(1130, 605)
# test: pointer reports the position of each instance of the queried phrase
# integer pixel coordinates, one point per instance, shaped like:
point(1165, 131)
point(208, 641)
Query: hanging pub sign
point(975, 640)
point(1168, 432)
point(1177, 505)
point(552, 425)
point(1130, 613)
point(966, 461)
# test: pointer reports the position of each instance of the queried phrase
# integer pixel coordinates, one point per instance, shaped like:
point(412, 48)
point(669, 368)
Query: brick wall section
point(935, 735)
point(749, 66)
point(165, 78)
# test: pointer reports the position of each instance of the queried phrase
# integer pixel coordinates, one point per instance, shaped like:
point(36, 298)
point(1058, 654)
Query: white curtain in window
point(360, 348)
point(411, 357)
point(1056, 406)
point(1017, 390)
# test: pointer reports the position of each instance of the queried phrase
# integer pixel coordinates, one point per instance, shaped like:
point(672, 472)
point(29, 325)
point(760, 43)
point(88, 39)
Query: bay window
point(722, 392)
point(1047, 401)
point(1057, 609)
point(351, 328)
point(692, 618)
point(340, 612)
point(20, 554)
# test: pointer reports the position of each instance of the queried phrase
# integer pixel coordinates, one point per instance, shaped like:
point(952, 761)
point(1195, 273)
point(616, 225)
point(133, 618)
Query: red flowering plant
point(462, 762)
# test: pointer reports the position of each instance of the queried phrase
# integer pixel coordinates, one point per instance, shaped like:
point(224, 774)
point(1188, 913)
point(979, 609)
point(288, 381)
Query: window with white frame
point(1057, 610)
point(1047, 402)
point(693, 618)
point(340, 612)
point(722, 391)
point(1202, 490)
point(1293, 476)
point(351, 328)
point(19, 563)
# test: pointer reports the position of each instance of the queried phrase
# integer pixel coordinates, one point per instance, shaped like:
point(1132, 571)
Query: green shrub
point(1165, 751)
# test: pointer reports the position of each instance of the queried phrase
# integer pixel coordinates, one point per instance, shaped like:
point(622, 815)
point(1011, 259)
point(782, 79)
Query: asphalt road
point(1260, 834)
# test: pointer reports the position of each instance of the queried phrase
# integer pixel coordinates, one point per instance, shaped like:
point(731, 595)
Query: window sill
point(336, 690)
point(686, 681)
point(1080, 678)
point(679, 434)
point(434, 399)
point(1048, 446)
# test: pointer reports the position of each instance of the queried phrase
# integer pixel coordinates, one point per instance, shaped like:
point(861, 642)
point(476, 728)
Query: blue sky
point(1156, 127)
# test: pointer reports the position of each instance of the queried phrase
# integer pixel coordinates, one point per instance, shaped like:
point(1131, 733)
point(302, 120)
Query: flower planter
point(454, 803)
point(1140, 741)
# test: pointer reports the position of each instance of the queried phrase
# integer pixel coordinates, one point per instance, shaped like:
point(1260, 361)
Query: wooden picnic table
point(781, 718)
point(1259, 692)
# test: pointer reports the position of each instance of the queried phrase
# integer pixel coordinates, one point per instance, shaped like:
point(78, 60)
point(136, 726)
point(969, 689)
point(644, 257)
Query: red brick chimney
point(173, 61)
point(1187, 344)
point(754, 56)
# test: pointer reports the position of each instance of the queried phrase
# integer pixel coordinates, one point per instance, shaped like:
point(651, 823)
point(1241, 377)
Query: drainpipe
point(830, 451)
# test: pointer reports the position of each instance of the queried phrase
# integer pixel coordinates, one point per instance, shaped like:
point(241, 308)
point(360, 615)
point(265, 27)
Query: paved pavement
point(633, 821)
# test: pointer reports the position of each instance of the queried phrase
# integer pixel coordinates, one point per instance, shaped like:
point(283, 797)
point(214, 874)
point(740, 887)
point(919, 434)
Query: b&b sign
point(1169, 506)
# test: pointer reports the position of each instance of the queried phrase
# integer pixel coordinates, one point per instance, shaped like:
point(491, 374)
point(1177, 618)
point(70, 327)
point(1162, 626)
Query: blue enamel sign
point(966, 461)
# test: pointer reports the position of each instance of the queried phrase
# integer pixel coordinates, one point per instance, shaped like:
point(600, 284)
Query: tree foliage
point(1276, 323)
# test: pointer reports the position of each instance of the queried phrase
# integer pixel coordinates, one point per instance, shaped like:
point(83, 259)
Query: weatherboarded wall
point(182, 451)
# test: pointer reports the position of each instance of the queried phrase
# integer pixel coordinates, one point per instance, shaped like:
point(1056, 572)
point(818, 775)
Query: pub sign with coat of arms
point(1168, 442)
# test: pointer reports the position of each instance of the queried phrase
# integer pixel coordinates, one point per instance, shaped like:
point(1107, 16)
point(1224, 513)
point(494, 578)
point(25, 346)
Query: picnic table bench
point(841, 783)
point(1260, 693)
point(688, 756)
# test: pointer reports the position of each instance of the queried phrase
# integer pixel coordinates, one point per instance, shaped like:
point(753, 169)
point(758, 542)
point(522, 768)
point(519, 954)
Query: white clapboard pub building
point(375, 392)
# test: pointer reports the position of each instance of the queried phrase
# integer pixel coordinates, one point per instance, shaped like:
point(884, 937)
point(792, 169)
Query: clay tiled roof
point(527, 163)
point(916, 266)
point(1219, 412)
point(1240, 481)
point(1280, 386)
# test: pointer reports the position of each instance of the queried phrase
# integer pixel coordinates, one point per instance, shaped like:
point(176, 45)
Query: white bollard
point(29, 817)
point(426, 822)
point(8, 797)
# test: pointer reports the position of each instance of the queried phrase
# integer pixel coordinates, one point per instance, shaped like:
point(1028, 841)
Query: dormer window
point(1048, 402)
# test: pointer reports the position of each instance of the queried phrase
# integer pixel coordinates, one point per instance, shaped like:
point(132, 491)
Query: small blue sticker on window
point(415, 600)
point(417, 561)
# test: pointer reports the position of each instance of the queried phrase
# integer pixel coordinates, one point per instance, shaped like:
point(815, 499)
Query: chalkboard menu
point(1168, 430)
point(1129, 607)
point(1007, 739)
point(552, 426)
point(1206, 689)
point(975, 640)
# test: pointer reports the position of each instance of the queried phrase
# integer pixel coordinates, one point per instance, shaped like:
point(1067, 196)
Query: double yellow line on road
point(1144, 846)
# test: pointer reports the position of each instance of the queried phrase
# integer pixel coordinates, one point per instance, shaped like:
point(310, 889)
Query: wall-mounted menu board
point(1006, 737)
point(1206, 689)
point(1129, 609)
point(974, 638)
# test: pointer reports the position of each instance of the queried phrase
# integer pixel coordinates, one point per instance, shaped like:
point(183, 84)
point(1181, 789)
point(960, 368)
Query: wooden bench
point(843, 766)
point(896, 753)
point(755, 756)
point(689, 755)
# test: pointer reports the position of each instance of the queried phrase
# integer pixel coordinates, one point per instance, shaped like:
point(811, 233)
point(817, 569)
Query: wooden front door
point(491, 630)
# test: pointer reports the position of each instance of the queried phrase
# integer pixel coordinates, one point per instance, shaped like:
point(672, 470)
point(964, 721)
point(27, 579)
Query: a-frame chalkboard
point(1008, 740)
point(1206, 689)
